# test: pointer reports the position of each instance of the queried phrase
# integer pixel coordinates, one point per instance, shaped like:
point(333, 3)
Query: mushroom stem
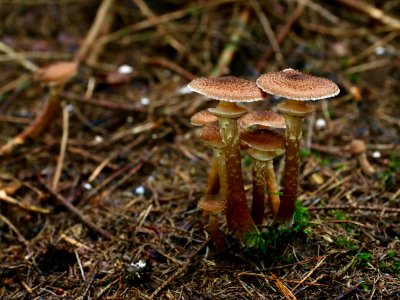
point(213, 183)
point(219, 159)
point(216, 234)
point(257, 208)
point(272, 187)
point(237, 212)
point(38, 125)
point(291, 174)
point(364, 164)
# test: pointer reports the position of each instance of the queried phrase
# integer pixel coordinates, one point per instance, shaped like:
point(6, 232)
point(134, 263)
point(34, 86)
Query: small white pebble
point(98, 139)
point(87, 186)
point(320, 123)
point(125, 69)
point(139, 265)
point(70, 107)
point(376, 154)
point(183, 90)
point(140, 190)
point(145, 101)
point(380, 50)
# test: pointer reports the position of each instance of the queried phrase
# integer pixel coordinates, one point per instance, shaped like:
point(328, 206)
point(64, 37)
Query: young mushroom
point(297, 88)
point(230, 91)
point(202, 118)
point(263, 169)
point(264, 146)
point(357, 149)
point(213, 205)
point(54, 76)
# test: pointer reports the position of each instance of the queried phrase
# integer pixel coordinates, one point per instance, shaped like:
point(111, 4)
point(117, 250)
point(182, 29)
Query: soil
point(122, 221)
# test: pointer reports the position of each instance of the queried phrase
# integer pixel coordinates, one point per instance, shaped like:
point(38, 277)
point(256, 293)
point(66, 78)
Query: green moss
point(363, 259)
point(345, 243)
point(273, 238)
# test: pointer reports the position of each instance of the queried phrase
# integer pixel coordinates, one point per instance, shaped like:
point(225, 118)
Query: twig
point(13, 228)
point(358, 207)
point(227, 54)
point(75, 211)
point(18, 57)
point(4, 197)
point(282, 34)
point(268, 31)
point(63, 147)
point(180, 271)
point(164, 63)
point(101, 103)
point(373, 12)
point(94, 30)
point(171, 40)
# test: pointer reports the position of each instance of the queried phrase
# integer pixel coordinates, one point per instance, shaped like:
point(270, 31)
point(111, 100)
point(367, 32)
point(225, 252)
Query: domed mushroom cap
point(211, 135)
point(263, 118)
point(228, 88)
point(264, 140)
point(292, 84)
point(357, 147)
point(212, 204)
point(57, 73)
point(202, 118)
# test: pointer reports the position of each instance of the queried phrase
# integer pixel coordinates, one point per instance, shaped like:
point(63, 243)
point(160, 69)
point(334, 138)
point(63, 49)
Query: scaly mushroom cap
point(202, 118)
point(292, 84)
point(211, 135)
point(263, 118)
point(357, 147)
point(264, 140)
point(212, 204)
point(57, 73)
point(228, 88)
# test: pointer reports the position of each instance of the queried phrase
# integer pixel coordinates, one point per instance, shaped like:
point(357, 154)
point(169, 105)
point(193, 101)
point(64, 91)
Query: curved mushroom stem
point(213, 183)
point(38, 125)
point(216, 234)
point(219, 158)
point(272, 187)
point(291, 175)
point(364, 164)
point(237, 212)
point(259, 176)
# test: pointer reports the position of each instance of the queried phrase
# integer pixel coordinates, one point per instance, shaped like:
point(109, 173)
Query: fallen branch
point(76, 212)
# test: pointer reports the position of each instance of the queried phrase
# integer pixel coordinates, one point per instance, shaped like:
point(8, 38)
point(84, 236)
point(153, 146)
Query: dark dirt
point(136, 167)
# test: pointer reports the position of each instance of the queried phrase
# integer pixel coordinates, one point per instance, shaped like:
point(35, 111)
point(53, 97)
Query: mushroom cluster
point(228, 128)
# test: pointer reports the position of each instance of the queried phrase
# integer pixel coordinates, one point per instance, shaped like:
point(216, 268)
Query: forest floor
point(135, 168)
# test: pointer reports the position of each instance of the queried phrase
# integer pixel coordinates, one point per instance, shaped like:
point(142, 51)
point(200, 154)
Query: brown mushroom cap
point(57, 73)
point(202, 118)
point(263, 118)
point(211, 135)
point(228, 88)
point(264, 140)
point(212, 204)
point(292, 84)
point(357, 147)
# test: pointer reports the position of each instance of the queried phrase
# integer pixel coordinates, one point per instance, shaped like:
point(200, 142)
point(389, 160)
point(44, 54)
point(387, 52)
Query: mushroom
point(214, 205)
point(264, 146)
point(296, 87)
point(229, 91)
point(202, 118)
point(55, 76)
point(357, 149)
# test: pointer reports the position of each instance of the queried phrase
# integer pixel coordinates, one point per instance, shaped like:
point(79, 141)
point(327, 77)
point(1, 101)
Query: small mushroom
point(211, 135)
point(202, 118)
point(214, 205)
point(230, 91)
point(357, 149)
point(264, 146)
point(297, 87)
point(54, 76)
